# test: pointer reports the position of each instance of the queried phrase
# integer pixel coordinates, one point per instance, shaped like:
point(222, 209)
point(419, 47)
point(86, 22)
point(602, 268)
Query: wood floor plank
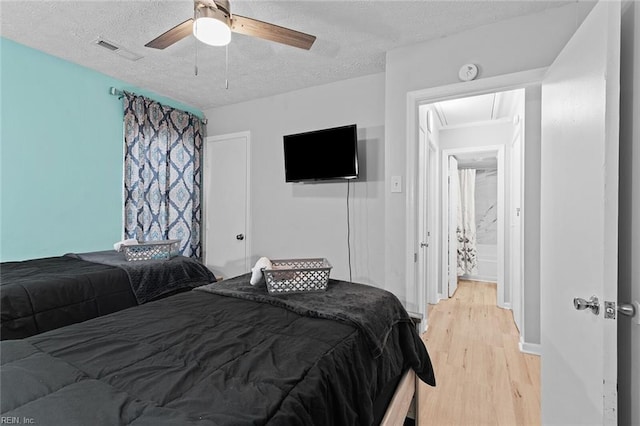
point(482, 377)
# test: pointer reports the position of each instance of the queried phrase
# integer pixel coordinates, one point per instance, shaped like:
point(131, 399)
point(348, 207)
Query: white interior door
point(429, 209)
point(423, 221)
point(433, 228)
point(226, 200)
point(454, 189)
point(579, 228)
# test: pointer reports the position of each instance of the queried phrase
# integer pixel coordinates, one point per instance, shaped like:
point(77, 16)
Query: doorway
point(475, 242)
point(472, 129)
point(480, 168)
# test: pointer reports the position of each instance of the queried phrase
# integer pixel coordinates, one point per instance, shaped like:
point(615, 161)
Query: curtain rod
point(120, 93)
point(115, 92)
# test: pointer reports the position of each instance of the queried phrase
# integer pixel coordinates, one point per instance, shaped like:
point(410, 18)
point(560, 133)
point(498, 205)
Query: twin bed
point(39, 295)
point(225, 353)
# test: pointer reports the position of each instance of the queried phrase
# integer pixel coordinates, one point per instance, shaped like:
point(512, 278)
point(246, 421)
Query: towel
point(256, 271)
point(128, 242)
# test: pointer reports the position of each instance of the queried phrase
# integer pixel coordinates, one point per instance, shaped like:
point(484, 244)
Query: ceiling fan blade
point(174, 35)
point(255, 28)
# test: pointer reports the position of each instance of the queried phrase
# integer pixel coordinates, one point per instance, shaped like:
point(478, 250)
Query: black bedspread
point(203, 358)
point(151, 279)
point(44, 294)
point(374, 311)
point(39, 295)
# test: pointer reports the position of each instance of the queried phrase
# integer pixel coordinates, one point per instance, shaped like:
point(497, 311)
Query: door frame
point(206, 203)
point(515, 220)
point(450, 242)
point(428, 96)
point(499, 152)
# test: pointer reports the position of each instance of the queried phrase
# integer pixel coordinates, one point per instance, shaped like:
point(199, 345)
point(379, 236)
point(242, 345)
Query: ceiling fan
point(213, 23)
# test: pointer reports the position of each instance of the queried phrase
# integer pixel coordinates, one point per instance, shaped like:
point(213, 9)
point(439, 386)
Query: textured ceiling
point(352, 38)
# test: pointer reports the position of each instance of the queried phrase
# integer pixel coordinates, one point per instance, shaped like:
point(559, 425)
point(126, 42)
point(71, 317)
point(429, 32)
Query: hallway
point(482, 377)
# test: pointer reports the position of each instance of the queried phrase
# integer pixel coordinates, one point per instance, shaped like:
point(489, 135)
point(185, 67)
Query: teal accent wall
point(61, 155)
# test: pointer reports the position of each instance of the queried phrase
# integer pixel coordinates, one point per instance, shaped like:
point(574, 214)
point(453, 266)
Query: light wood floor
point(482, 377)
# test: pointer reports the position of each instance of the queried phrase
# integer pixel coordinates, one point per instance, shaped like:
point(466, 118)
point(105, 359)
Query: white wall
point(505, 47)
point(309, 220)
point(629, 219)
point(482, 134)
point(531, 209)
point(487, 263)
point(486, 199)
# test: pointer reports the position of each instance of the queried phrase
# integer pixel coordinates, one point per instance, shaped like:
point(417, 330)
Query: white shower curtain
point(466, 231)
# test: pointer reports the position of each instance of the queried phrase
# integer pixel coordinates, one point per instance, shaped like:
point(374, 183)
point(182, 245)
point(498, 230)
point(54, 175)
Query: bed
point(222, 354)
point(39, 295)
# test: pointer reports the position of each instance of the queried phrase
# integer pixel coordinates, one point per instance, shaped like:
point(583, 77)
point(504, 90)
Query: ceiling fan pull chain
point(226, 67)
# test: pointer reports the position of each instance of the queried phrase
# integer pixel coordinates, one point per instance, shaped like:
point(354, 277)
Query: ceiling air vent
point(111, 46)
point(107, 45)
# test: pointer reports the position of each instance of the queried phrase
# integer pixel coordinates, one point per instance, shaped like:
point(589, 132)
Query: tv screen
point(327, 154)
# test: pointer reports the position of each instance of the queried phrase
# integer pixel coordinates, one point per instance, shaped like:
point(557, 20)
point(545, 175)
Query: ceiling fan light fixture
point(212, 23)
point(212, 27)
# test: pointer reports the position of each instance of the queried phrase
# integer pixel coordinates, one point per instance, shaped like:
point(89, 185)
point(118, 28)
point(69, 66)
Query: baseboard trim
point(530, 348)
point(482, 278)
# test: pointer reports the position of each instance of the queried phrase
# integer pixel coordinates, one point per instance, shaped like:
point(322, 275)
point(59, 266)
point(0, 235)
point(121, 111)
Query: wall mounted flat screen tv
point(328, 154)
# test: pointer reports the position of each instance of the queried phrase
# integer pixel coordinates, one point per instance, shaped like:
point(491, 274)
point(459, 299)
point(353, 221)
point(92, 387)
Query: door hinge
point(415, 257)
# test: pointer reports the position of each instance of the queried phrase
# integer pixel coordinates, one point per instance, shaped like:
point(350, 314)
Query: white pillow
point(256, 271)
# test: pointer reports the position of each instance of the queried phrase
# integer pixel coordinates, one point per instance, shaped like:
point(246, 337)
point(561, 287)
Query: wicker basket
point(289, 276)
point(151, 250)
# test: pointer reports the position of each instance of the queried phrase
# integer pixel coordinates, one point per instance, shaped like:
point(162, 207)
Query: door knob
point(240, 237)
point(593, 304)
point(627, 309)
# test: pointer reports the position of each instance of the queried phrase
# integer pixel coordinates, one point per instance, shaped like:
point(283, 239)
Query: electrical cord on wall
point(349, 232)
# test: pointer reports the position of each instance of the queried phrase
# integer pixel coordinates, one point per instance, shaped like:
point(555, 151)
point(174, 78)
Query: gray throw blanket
point(151, 279)
point(372, 310)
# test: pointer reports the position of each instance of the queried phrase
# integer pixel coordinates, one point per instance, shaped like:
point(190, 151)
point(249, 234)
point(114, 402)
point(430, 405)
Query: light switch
point(396, 183)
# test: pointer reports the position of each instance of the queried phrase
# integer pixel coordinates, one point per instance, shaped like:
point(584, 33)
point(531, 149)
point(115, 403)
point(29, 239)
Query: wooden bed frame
point(406, 392)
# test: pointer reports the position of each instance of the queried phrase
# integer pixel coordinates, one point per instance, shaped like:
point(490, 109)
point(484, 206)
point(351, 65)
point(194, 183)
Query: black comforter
point(151, 279)
point(203, 358)
point(39, 295)
point(44, 294)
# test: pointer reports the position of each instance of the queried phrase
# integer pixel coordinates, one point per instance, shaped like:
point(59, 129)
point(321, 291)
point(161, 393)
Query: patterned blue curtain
point(162, 174)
